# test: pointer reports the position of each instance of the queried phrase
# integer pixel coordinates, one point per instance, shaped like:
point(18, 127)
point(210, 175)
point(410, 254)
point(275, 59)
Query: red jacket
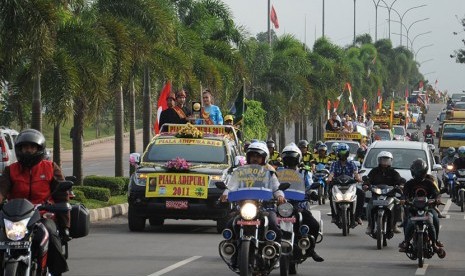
point(34, 183)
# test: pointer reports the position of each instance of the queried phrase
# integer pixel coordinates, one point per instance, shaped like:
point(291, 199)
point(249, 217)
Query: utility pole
point(269, 24)
point(323, 31)
point(354, 20)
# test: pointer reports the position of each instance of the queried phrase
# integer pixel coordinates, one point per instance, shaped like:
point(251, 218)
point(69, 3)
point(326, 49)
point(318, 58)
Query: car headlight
point(249, 211)
point(140, 179)
point(16, 231)
point(285, 210)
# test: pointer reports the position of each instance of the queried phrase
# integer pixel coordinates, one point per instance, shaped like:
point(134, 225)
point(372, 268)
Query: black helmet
point(361, 152)
point(30, 136)
point(428, 126)
point(270, 144)
point(302, 144)
point(419, 168)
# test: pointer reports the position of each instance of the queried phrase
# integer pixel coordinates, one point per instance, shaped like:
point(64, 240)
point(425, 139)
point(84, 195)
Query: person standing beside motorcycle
point(291, 159)
point(428, 135)
point(37, 180)
point(257, 154)
point(421, 181)
point(383, 174)
point(346, 167)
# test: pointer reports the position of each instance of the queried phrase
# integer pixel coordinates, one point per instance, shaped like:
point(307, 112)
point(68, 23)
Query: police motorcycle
point(384, 198)
point(21, 252)
point(296, 241)
point(249, 247)
point(319, 182)
point(421, 247)
point(344, 195)
point(460, 184)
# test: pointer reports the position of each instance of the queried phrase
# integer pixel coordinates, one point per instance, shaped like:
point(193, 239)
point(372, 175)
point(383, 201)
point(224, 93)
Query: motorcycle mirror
point(220, 185)
point(284, 186)
point(134, 159)
point(65, 186)
point(71, 178)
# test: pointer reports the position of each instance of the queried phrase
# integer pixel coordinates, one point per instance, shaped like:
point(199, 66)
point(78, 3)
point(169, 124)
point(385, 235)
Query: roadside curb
point(106, 139)
point(108, 212)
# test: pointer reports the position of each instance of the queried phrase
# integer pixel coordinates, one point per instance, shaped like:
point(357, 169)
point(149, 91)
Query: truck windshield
point(453, 132)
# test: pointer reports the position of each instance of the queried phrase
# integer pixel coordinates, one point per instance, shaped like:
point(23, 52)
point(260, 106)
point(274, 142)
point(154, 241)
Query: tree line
point(80, 59)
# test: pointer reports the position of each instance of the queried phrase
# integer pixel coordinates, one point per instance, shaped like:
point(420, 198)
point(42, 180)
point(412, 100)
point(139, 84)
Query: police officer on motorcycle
point(424, 182)
point(274, 158)
point(307, 155)
point(333, 154)
point(291, 159)
point(384, 174)
point(321, 158)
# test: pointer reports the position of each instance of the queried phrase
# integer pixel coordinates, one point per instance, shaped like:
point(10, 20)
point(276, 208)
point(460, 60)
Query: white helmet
point(385, 158)
point(334, 147)
point(260, 148)
point(291, 155)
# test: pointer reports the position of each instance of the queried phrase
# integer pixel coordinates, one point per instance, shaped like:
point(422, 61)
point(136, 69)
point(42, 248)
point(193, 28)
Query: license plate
point(380, 202)
point(419, 218)
point(248, 222)
point(15, 244)
point(291, 219)
point(177, 204)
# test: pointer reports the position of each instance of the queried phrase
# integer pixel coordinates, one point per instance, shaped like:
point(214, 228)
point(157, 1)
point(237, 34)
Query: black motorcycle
point(421, 246)
point(429, 139)
point(20, 221)
point(249, 246)
point(460, 188)
point(384, 199)
point(296, 242)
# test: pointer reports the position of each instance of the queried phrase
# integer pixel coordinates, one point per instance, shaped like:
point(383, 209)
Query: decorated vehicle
point(175, 177)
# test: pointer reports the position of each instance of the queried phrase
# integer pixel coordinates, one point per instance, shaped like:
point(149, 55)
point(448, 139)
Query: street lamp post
point(425, 61)
point(413, 23)
point(413, 40)
point(401, 17)
point(416, 53)
point(389, 8)
point(354, 21)
point(408, 39)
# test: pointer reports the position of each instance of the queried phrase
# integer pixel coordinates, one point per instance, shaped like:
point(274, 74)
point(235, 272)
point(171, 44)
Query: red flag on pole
point(328, 108)
point(406, 93)
point(274, 17)
point(420, 86)
point(162, 104)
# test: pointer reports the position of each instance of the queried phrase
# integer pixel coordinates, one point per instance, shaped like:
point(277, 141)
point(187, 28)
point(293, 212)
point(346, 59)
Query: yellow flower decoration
point(189, 131)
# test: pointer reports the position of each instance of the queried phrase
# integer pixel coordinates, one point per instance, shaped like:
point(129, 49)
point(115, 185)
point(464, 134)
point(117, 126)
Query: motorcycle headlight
point(350, 194)
point(377, 191)
point(249, 211)
point(450, 167)
point(15, 231)
point(285, 210)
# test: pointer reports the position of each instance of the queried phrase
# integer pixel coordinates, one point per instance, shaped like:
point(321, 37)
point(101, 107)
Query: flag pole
point(243, 105)
point(269, 23)
point(201, 100)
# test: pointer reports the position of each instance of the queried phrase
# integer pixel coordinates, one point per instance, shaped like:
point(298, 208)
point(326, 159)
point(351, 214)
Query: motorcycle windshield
point(250, 182)
point(297, 189)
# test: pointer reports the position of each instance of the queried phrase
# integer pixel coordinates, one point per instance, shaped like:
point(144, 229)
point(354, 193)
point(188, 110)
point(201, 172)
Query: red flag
point(420, 86)
point(274, 17)
point(328, 108)
point(406, 92)
point(162, 104)
point(365, 107)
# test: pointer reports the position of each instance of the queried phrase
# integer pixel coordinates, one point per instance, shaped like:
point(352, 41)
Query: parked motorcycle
point(20, 222)
point(460, 184)
point(421, 246)
point(296, 242)
point(382, 215)
point(319, 182)
point(249, 247)
point(344, 195)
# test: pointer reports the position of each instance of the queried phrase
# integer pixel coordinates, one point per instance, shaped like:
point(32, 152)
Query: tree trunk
point(296, 131)
point(147, 109)
point(57, 144)
point(132, 121)
point(304, 127)
point(282, 136)
point(119, 131)
point(79, 111)
point(36, 120)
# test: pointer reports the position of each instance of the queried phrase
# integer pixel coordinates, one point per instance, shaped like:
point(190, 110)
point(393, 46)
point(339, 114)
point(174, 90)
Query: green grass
point(114, 200)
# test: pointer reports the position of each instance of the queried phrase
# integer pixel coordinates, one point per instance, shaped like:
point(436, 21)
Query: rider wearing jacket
point(307, 155)
point(428, 131)
point(35, 179)
point(340, 167)
point(459, 164)
point(321, 158)
point(384, 174)
point(421, 183)
point(449, 158)
point(291, 159)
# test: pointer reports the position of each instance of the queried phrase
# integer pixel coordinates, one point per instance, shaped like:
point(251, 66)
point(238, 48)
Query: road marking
point(174, 266)
point(422, 271)
point(447, 207)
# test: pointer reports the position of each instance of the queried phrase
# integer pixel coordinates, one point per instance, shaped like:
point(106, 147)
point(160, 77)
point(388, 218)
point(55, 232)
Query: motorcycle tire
point(15, 268)
point(244, 255)
point(65, 250)
point(320, 195)
point(379, 232)
point(344, 222)
point(284, 265)
point(293, 268)
point(462, 201)
point(419, 248)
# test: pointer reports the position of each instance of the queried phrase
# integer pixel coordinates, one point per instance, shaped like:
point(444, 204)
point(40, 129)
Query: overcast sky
point(435, 60)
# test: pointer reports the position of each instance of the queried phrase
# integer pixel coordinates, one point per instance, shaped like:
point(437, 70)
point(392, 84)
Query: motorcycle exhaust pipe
point(269, 252)
point(228, 249)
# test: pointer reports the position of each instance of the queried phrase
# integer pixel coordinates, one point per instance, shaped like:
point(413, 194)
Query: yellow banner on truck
point(342, 136)
point(182, 185)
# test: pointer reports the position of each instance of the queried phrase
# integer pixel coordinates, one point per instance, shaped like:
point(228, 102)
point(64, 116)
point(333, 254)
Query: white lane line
point(421, 271)
point(447, 207)
point(174, 266)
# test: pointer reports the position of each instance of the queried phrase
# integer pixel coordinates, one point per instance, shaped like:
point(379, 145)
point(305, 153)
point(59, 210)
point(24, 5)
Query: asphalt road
point(191, 247)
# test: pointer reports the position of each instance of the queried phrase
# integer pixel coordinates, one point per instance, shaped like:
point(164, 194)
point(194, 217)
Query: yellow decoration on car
point(189, 131)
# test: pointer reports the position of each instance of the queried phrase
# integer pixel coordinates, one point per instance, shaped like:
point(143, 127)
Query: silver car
point(7, 147)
